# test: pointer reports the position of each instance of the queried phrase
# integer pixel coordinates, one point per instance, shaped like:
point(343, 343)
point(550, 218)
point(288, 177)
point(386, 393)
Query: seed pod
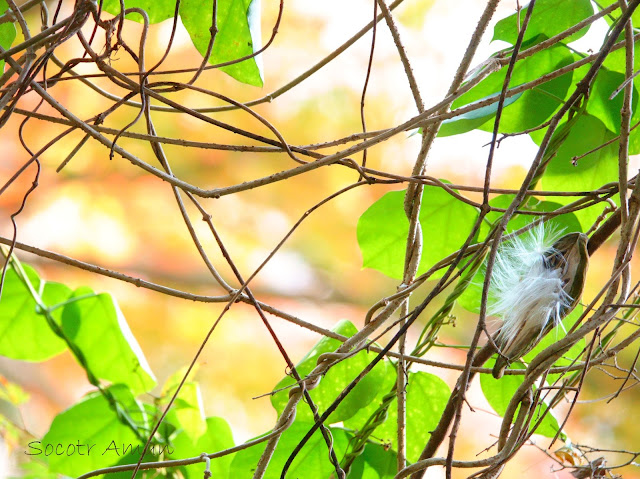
point(535, 285)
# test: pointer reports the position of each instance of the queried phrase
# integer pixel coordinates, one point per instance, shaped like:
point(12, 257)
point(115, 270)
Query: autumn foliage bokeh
point(109, 213)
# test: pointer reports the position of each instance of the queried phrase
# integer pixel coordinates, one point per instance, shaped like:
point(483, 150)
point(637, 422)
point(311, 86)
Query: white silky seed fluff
point(526, 294)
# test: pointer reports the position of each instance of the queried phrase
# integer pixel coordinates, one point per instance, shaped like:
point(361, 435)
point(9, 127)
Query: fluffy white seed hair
point(526, 293)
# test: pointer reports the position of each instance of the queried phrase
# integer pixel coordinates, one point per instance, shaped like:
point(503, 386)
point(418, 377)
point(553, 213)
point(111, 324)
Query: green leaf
point(311, 463)
point(590, 172)
point(566, 223)
point(616, 62)
point(532, 108)
point(358, 420)
point(549, 18)
point(427, 397)
point(95, 324)
point(336, 379)
point(499, 393)
point(375, 462)
point(7, 32)
point(89, 435)
point(382, 235)
point(382, 230)
point(238, 23)
point(158, 10)
point(605, 109)
point(475, 118)
point(173, 381)
point(35, 470)
point(556, 335)
point(218, 437)
point(238, 34)
point(24, 333)
point(188, 413)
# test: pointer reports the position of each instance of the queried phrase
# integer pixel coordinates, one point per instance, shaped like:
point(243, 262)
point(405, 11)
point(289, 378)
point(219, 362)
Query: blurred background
point(111, 214)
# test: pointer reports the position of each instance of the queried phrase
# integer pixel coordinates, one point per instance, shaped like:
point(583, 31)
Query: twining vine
point(336, 406)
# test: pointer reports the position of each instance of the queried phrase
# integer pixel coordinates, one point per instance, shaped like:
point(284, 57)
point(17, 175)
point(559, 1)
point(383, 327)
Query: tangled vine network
point(33, 68)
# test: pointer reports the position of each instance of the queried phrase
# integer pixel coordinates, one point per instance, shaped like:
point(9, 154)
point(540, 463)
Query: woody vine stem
point(33, 69)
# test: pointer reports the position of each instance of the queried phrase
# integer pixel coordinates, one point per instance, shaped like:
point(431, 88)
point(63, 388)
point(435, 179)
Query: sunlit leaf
point(312, 461)
point(549, 18)
point(187, 412)
point(157, 10)
point(24, 331)
point(556, 335)
point(238, 23)
point(499, 393)
point(95, 324)
point(427, 396)
point(239, 34)
point(475, 118)
point(89, 435)
point(587, 173)
point(217, 438)
point(7, 32)
point(336, 379)
point(383, 228)
point(36, 470)
point(566, 223)
point(532, 108)
point(601, 106)
point(376, 462)
point(616, 61)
